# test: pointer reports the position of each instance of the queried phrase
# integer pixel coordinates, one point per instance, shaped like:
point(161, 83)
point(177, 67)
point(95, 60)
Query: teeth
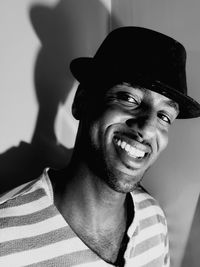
point(119, 142)
point(123, 144)
point(127, 148)
point(138, 153)
point(132, 151)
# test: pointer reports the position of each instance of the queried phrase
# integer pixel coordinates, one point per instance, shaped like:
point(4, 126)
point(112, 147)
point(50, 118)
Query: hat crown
point(136, 50)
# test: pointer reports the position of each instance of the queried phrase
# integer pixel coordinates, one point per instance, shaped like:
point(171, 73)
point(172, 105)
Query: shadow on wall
point(70, 29)
point(192, 250)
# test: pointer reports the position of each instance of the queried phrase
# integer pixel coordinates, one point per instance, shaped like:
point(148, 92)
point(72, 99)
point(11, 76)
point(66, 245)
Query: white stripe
point(26, 209)
point(149, 212)
point(141, 197)
point(149, 232)
point(147, 256)
point(99, 263)
point(25, 231)
point(44, 253)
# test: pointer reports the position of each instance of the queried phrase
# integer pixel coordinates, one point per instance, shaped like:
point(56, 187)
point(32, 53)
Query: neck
point(87, 196)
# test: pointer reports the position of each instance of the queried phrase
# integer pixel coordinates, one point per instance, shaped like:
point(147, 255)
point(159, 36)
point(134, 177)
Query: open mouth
point(132, 151)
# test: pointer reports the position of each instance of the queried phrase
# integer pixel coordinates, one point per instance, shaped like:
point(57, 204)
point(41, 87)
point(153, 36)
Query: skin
point(137, 116)
point(101, 171)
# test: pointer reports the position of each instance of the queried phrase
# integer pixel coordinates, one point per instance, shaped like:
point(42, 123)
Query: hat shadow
point(61, 30)
point(67, 30)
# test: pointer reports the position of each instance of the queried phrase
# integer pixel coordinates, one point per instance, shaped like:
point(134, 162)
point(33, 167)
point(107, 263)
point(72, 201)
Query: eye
point(165, 118)
point(127, 99)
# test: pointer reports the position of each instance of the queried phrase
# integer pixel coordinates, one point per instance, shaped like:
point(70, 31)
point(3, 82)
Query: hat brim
point(84, 70)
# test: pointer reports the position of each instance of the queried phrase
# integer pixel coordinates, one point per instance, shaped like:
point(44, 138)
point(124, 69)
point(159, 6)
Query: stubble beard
point(109, 174)
point(121, 182)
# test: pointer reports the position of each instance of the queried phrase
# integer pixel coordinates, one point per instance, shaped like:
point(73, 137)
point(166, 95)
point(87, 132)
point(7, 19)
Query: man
point(95, 212)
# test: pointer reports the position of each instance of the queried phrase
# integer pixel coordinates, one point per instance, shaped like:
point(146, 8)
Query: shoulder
point(147, 207)
point(28, 192)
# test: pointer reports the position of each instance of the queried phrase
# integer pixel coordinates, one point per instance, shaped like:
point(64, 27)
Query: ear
point(79, 103)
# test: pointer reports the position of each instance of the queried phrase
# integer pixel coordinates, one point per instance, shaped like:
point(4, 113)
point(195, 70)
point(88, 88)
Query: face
point(128, 133)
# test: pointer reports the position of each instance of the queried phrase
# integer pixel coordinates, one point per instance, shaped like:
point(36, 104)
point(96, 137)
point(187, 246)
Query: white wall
point(38, 40)
point(17, 55)
point(175, 179)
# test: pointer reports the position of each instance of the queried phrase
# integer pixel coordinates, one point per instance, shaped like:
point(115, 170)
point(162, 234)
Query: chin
point(121, 182)
point(123, 188)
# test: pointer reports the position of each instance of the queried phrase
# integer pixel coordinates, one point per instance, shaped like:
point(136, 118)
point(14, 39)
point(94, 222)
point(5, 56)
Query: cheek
point(162, 140)
point(99, 129)
point(114, 115)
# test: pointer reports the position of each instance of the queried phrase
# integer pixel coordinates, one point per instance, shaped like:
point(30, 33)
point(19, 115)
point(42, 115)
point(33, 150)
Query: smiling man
point(95, 211)
point(133, 130)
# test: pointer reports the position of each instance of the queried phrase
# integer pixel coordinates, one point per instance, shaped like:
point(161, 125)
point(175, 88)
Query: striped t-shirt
point(34, 233)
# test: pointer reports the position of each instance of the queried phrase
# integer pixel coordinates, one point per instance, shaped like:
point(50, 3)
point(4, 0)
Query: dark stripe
point(24, 199)
point(38, 241)
point(146, 203)
point(147, 244)
point(31, 218)
point(79, 257)
point(151, 221)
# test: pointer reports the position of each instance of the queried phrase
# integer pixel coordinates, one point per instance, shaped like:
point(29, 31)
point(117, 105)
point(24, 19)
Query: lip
point(128, 160)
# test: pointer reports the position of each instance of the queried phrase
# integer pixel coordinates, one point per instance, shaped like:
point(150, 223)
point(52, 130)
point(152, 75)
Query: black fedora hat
point(144, 57)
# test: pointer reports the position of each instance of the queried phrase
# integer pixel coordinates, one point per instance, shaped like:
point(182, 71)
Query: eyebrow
point(173, 104)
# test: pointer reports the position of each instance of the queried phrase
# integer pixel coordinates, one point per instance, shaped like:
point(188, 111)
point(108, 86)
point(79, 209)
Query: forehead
point(146, 93)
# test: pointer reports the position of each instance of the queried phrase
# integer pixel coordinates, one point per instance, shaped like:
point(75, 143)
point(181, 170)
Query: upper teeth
point(132, 151)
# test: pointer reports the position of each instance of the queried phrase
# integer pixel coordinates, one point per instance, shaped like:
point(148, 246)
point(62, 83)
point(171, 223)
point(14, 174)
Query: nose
point(144, 125)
